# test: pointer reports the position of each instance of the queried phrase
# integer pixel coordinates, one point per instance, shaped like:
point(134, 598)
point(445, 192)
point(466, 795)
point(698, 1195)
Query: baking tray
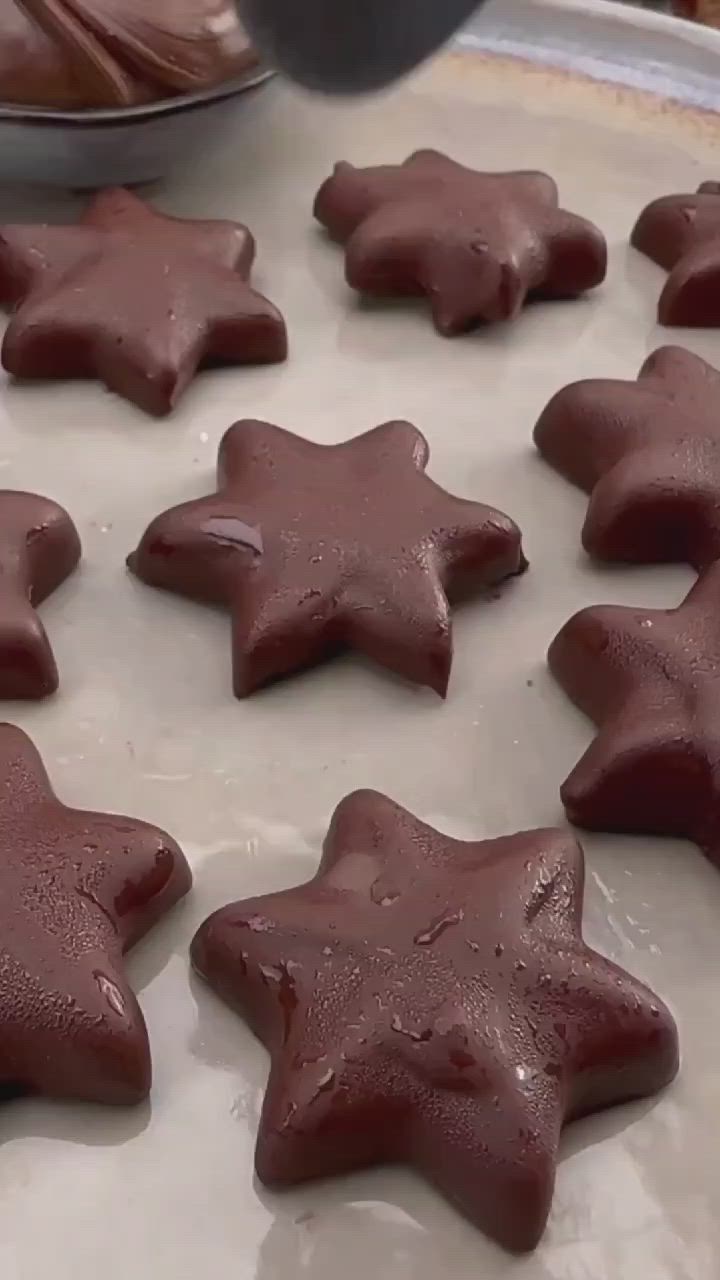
point(145, 722)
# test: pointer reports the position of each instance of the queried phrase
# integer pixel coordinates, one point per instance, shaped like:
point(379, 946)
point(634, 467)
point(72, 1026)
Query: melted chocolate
point(77, 889)
point(39, 548)
point(648, 453)
point(649, 679)
point(116, 53)
point(430, 1001)
point(477, 245)
point(317, 548)
point(135, 298)
point(682, 234)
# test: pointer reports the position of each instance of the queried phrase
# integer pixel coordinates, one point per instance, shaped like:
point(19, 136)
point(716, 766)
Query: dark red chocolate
point(648, 453)
point(39, 548)
point(649, 679)
point(318, 548)
point(430, 1001)
point(477, 245)
point(682, 234)
point(77, 889)
point(134, 298)
point(117, 53)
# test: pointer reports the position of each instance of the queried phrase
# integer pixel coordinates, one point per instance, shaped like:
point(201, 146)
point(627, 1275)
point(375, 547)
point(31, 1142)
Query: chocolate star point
point(77, 889)
point(648, 680)
point(475, 244)
point(39, 549)
point(134, 298)
point(431, 1001)
point(317, 548)
point(682, 234)
point(648, 452)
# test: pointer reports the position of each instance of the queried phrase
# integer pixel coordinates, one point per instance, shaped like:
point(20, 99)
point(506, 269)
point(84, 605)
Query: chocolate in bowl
point(70, 54)
point(98, 92)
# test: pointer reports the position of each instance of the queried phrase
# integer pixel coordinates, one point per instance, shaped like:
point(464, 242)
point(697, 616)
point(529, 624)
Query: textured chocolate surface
point(432, 1001)
point(477, 245)
point(134, 298)
point(318, 548)
point(650, 680)
point(116, 53)
point(648, 453)
point(39, 548)
point(77, 889)
point(682, 234)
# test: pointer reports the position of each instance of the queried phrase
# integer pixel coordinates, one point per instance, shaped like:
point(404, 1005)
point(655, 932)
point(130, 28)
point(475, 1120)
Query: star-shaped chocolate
point(431, 1001)
point(39, 548)
point(682, 234)
point(134, 298)
point(477, 245)
point(648, 452)
point(649, 678)
point(77, 889)
point(318, 548)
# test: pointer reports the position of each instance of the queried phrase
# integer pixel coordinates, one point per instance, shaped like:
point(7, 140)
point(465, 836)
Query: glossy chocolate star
point(475, 244)
point(682, 234)
point(39, 548)
point(648, 452)
point(134, 298)
point(649, 679)
point(430, 1001)
point(77, 889)
point(318, 548)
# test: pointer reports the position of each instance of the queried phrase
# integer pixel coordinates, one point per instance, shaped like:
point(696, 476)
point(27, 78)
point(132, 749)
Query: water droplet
point(270, 972)
point(228, 531)
point(325, 1082)
point(541, 895)
point(292, 1108)
point(383, 892)
point(309, 1060)
point(426, 937)
point(112, 993)
point(418, 1036)
point(280, 975)
point(257, 924)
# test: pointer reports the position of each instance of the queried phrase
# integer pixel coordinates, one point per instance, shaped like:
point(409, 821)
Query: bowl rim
point(99, 117)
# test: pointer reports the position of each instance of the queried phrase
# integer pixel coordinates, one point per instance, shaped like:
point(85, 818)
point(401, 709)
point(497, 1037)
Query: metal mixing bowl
point(116, 146)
